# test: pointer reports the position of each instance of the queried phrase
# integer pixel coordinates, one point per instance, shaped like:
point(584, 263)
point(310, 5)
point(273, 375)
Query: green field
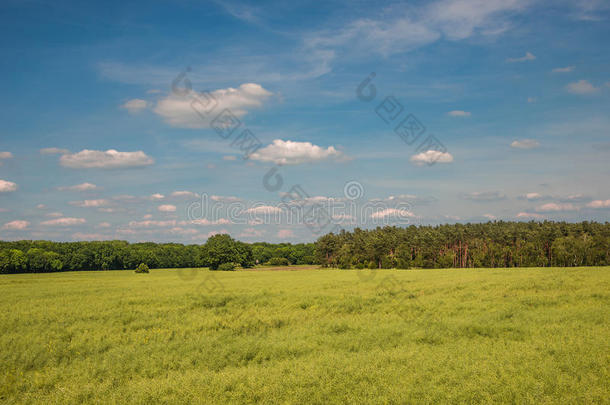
point(315, 336)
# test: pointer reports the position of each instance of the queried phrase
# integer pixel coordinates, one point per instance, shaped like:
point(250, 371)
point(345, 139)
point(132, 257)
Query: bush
point(360, 266)
point(226, 266)
point(142, 268)
point(279, 261)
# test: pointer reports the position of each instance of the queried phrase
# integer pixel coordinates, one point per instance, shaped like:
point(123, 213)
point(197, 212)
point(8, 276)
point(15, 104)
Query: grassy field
point(316, 336)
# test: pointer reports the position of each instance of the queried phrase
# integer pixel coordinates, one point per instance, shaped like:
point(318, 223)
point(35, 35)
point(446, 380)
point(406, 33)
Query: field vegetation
point(526, 335)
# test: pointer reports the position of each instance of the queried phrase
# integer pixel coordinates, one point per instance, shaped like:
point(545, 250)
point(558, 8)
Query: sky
point(282, 121)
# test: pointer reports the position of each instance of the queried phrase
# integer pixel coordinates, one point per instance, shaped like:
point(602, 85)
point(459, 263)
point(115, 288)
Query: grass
point(317, 336)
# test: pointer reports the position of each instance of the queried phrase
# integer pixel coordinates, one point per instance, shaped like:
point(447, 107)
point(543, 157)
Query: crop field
point(527, 335)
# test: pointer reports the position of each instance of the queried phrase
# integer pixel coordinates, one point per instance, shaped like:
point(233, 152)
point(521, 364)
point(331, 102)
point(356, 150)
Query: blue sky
point(95, 144)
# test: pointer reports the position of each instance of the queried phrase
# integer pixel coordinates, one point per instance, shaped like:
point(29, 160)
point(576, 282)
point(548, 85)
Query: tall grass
point(316, 336)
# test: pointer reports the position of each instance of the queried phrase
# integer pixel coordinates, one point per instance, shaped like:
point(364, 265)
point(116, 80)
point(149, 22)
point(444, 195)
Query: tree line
point(493, 244)
point(28, 256)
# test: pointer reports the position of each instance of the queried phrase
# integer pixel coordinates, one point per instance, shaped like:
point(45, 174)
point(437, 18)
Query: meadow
point(521, 335)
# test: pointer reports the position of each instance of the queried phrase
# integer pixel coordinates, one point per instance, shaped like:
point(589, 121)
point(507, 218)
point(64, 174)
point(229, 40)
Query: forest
point(492, 244)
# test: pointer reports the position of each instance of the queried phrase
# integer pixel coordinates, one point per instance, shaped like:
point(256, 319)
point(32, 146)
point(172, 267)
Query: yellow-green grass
point(319, 336)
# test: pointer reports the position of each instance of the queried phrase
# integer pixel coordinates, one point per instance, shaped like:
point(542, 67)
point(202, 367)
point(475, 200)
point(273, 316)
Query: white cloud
point(205, 221)
point(157, 196)
point(197, 111)
point(285, 233)
point(17, 225)
point(566, 69)
point(6, 155)
point(490, 216)
point(599, 204)
point(90, 236)
point(392, 212)
point(229, 157)
point(152, 223)
point(582, 87)
point(263, 209)
point(167, 208)
point(251, 233)
point(104, 225)
point(91, 203)
point(555, 207)
point(408, 27)
point(533, 196)
point(135, 105)
point(110, 159)
point(79, 187)
point(529, 215)
point(459, 113)
point(528, 56)
point(54, 214)
point(7, 186)
point(484, 196)
point(431, 156)
point(64, 222)
point(525, 144)
point(53, 151)
point(293, 153)
point(184, 194)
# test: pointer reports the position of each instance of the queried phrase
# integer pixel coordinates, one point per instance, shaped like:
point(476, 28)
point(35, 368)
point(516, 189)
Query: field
point(312, 336)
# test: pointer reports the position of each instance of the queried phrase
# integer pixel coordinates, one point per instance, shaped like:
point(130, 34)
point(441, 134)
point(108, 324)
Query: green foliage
point(494, 244)
point(279, 261)
point(227, 266)
point(522, 336)
point(142, 268)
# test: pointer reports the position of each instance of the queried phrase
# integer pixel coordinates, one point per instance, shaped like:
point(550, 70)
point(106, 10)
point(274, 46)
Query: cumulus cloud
point(526, 57)
point(64, 222)
point(263, 210)
point(525, 144)
point(566, 69)
point(285, 233)
point(90, 236)
point(555, 207)
point(53, 151)
point(533, 196)
point(293, 153)
point(167, 208)
point(17, 225)
point(79, 187)
point(205, 221)
point(484, 196)
point(431, 156)
point(529, 215)
point(5, 155)
point(582, 87)
point(193, 110)
point(135, 105)
point(54, 214)
point(7, 186)
point(91, 203)
point(251, 233)
point(110, 159)
point(599, 204)
point(393, 213)
point(459, 113)
point(184, 194)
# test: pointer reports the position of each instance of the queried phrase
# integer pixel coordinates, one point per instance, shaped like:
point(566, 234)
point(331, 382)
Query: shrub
point(279, 261)
point(142, 268)
point(226, 266)
point(360, 266)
